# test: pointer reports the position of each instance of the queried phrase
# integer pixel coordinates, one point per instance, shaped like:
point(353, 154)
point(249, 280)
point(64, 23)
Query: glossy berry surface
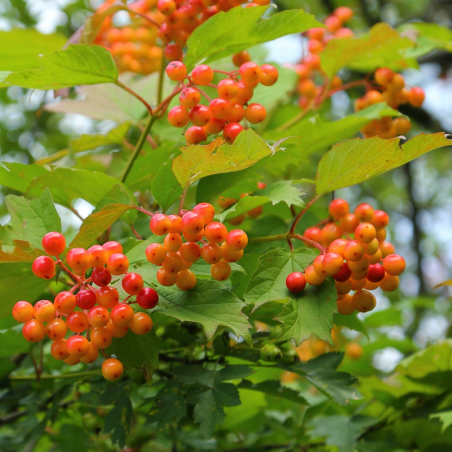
point(43, 267)
point(296, 282)
point(112, 369)
point(54, 243)
point(147, 298)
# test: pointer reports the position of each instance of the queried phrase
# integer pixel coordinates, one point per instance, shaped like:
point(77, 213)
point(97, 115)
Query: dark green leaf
point(165, 188)
point(275, 389)
point(119, 419)
point(13, 342)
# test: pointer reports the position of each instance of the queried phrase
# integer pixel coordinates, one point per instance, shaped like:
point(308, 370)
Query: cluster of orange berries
point(133, 47)
point(219, 247)
point(225, 203)
point(92, 305)
point(361, 264)
point(224, 113)
point(390, 88)
point(310, 65)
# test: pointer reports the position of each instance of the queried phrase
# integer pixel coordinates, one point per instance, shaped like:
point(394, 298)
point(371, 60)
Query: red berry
point(122, 314)
point(141, 323)
point(227, 89)
point(156, 253)
point(160, 224)
point(343, 274)
point(200, 115)
point(365, 233)
point(176, 224)
point(147, 298)
point(269, 75)
point(44, 311)
point(117, 331)
point(339, 208)
point(78, 259)
point(215, 232)
point(383, 76)
point(173, 52)
point(250, 72)
point(220, 108)
point(34, 331)
point(54, 243)
point(23, 311)
point(192, 223)
point(101, 277)
point(132, 283)
point(117, 264)
point(178, 116)
point(215, 126)
point(375, 273)
point(312, 62)
point(166, 7)
point(231, 131)
point(237, 112)
point(108, 297)
point(195, 135)
point(112, 369)
point(112, 247)
point(77, 321)
point(176, 70)
point(380, 219)
point(202, 75)
point(43, 267)
point(344, 13)
point(237, 240)
point(416, 97)
point(313, 233)
point(77, 346)
point(86, 299)
point(206, 210)
point(189, 97)
point(97, 256)
point(332, 263)
point(333, 23)
point(255, 113)
point(296, 282)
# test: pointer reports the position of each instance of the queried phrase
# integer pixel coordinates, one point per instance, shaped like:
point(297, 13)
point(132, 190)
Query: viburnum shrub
point(188, 317)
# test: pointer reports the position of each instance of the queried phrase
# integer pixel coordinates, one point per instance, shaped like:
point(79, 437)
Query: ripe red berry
point(160, 224)
point(173, 52)
point(86, 299)
point(141, 323)
point(117, 264)
point(98, 316)
point(416, 97)
point(380, 219)
point(165, 278)
point(269, 75)
point(97, 256)
point(339, 208)
point(77, 346)
point(192, 223)
point(112, 247)
point(330, 233)
point(43, 267)
point(220, 108)
point(296, 282)
point(101, 277)
point(176, 70)
point(343, 13)
point(122, 315)
point(189, 97)
point(34, 330)
point(231, 131)
point(215, 232)
point(202, 75)
point(147, 298)
point(132, 283)
point(200, 115)
point(77, 321)
point(375, 273)
point(332, 263)
point(211, 253)
point(237, 240)
point(349, 223)
point(166, 7)
point(250, 72)
point(78, 259)
point(343, 274)
point(178, 116)
point(206, 210)
point(312, 62)
point(195, 135)
point(383, 76)
point(227, 89)
point(112, 369)
point(54, 243)
point(156, 253)
point(313, 233)
point(23, 311)
point(215, 126)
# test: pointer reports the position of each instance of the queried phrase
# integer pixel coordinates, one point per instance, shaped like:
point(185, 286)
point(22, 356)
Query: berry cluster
point(133, 47)
point(361, 264)
point(310, 66)
point(225, 203)
point(175, 256)
point(389, 87)
point(224, 113)
point(92, 305)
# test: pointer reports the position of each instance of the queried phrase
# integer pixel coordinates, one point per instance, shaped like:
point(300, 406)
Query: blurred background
point(418, 196)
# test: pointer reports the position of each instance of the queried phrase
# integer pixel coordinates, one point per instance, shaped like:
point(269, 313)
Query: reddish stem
point(300, 215)
point(73, 276)
point(203, 93)
point(143, 210)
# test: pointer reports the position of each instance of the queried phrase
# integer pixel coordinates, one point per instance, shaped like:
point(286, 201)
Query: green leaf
point(30, 220)
point(18, 176)
point(314, 135)
point(21, 252)
point(20, 48)
point(67, 184)
point(120, 194)
point(281, 191)
point(445, 417)
point(352, 322)
point(321, 372)
point(428, 37)
point(202, 268)
point(13, 342)
point(17, 283)
point(275, 389)
point(209, 303)
point(355, 161)
point(119, 419)
point(342, 431)
point(388, 317)
point(268, 282)
point(240, 28)
point(137, 351)
point(309, 312)
point(170, 406)
point(96, 223)
point(165, 188)
point(383, 47)
point(75, 65)
point(88, 142)
point(198, 161)
point(193, 374)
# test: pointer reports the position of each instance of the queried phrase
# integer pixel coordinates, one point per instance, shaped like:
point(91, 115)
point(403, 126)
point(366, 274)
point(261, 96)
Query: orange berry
point(186, 280)
point(330, 233)
point(92, 355)
point(332, 263)
point(165, 278)
point(58, 350)
point(34, 331)
point(365, 233)
point(220, 271)
point(389, 283)
point(101, 337)
point(353, 350)
point(77, 346)
point(23, 311)
point(112, 369)
point(312, 277)
point(345, 305)
point(394, 264)
point(364, 301)
point(338, 208)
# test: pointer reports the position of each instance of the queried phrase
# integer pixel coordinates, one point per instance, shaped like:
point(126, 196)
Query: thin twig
point(131, 91)
point(300, 215)
point(135, 232)
point(182, 198)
